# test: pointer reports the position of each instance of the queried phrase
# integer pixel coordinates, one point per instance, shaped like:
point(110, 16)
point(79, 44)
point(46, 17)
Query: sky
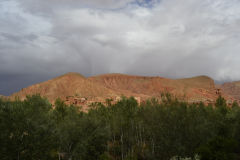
point(42, 39)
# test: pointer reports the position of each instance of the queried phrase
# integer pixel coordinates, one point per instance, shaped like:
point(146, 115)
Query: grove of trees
point(35, 130)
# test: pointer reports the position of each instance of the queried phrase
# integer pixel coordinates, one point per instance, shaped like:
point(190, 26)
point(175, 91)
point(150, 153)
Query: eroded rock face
point(73, 88)
point(70, 84)
point(232, 89)
point(196, 88)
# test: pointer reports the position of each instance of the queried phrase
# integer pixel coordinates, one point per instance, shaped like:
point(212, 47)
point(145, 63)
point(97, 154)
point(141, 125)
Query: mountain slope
point(196, 88)
point(98, 88)
point(69, 84)
point(232, 89)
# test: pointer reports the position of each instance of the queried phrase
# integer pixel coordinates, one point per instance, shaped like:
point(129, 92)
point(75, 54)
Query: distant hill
point(70, 84)
point(232, 89)
point(76, 89)
point(192, 89)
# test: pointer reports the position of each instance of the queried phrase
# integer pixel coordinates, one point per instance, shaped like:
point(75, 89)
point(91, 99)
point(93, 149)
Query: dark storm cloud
point(40, 39)
point(11, 83)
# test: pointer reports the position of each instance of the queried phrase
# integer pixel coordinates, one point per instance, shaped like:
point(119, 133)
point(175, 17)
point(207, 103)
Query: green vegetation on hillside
point(170, 129)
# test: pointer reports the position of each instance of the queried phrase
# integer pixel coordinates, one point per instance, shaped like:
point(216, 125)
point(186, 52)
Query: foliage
point(196, 157)
point(156, 130)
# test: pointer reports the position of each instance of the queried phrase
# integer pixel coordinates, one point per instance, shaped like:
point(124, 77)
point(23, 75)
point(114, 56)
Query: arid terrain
point(73, 88)
point(232, 89)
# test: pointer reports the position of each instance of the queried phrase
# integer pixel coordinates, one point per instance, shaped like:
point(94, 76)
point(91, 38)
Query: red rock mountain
point(74, 88)
point(70, 84)
point(191, 89)
point(232, 89)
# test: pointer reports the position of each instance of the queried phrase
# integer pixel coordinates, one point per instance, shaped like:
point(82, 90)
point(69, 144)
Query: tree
point(26, 129)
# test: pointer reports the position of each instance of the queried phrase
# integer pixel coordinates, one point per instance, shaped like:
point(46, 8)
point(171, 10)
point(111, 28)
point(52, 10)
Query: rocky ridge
point(76, 89)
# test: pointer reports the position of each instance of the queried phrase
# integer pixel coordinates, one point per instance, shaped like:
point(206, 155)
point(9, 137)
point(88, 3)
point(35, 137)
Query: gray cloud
point(171, 38)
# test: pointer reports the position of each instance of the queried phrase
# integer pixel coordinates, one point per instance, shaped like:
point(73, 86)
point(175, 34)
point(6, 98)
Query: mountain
point(192, 89)
point(77, 89)
point(70, 84)
point(232, 89)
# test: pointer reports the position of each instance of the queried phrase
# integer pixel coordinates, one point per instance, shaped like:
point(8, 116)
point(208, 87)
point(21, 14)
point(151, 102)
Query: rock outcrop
point(74, 88)
point(70, 84)
point(232, 89)
point(191, 89)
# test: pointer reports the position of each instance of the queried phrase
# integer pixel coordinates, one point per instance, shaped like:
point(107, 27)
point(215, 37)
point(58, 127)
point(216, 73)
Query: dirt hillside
point(232, 89)
point(76, 89)
point(70, 84)
point(192, 89)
